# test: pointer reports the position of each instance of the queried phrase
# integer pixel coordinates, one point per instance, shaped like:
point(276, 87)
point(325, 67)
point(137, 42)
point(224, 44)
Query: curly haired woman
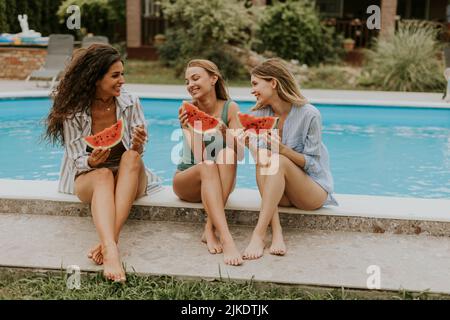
point(89, 99)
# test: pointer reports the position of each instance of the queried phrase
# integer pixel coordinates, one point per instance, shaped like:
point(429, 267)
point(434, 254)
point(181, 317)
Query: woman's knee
point(131, 160)
point(102, 176)
point(208, 170)
point(280, 161)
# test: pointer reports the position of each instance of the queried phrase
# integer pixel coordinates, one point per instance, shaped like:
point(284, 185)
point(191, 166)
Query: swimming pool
point(373, 150)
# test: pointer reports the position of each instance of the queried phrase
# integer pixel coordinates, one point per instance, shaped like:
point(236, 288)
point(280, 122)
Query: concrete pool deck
point(407, 238)
point(12, 88)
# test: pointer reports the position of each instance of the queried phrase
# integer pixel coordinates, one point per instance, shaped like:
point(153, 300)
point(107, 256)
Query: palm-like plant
point(407, 60)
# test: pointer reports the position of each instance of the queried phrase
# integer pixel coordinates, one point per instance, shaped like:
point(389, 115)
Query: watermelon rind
point(116, 142)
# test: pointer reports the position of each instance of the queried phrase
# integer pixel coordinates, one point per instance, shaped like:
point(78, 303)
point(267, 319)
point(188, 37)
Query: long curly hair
point(76, 90)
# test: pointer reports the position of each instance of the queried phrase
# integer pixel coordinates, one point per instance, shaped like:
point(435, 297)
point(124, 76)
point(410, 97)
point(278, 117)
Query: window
point(330, 8)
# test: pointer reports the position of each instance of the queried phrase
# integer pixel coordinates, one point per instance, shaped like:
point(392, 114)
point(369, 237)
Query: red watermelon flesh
point(208, 123)
point(107, 138)
point(257, 124)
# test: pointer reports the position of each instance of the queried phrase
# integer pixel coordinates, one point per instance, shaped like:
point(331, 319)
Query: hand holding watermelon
point(139, 138)
point(273, 140)
point(98, 156)
point(183, 117)
point(222, 127)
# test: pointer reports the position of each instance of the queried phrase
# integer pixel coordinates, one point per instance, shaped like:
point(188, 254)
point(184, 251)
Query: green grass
point(16, 284)
point(154, 72)
point(150, 72)
point(335, 77)
point(321, 77)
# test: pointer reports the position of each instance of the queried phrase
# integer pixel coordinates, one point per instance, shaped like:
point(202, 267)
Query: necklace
point(108, 106)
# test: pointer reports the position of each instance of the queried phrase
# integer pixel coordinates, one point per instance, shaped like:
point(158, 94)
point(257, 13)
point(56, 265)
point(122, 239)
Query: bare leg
point(131, 182)
point(301, 191)
point(202, 182)
point(97, 188)
point(278, 246)
point(226, 163)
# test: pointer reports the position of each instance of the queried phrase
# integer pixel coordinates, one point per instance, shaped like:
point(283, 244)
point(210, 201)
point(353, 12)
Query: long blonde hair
point(287, 88)
point(212, 69)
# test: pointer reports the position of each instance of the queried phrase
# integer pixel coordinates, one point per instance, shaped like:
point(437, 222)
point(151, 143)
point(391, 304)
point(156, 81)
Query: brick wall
point(388, 13)
point(133, 23)
point(17, 63)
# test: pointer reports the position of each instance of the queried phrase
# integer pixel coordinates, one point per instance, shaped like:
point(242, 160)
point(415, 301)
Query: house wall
point(133, 23)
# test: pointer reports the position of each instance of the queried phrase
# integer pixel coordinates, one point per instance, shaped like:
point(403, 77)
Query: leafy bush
point(203, 29)
point(100, 17)
point(406, 61)
point(41, 15)
point(293, 31)
point(4, 26)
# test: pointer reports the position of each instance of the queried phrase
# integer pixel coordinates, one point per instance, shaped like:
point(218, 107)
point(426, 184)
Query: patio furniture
point(87, 41)
point(59, 51)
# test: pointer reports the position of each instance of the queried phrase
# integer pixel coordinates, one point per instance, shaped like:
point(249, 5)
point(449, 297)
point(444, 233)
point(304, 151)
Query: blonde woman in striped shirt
point(89, 99)
point(295, 171)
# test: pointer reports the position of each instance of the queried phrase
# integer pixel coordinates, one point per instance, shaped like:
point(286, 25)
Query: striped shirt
point(302, 132)
point(75, 159)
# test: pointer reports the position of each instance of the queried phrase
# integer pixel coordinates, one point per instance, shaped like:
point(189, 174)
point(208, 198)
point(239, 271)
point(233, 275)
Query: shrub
point(41, 15)
point(203, 29)
point(4, 26)
point(100, 17)
point(293, 31)
point(407, 60)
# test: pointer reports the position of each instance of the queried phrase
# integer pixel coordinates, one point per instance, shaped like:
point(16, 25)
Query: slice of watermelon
point(208, 123)
point(256, 124)
point(107, 138)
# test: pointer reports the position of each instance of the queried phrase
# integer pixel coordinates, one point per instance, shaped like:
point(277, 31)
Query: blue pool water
point(373, 150)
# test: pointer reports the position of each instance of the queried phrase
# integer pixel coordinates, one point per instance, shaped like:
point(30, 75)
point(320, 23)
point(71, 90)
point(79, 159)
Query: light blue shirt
point(302, 132)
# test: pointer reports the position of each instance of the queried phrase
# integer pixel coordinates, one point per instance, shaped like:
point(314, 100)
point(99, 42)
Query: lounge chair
point(59, 51)
point(87, 41)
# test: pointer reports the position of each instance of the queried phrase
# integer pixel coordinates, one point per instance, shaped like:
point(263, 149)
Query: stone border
point(310, 221)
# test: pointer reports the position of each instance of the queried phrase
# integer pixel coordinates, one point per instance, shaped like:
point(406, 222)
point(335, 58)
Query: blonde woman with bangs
point(209, 177)
point(302, 178)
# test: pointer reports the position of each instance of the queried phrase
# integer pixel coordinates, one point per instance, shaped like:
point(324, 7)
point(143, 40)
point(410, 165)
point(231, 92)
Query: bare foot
point(112, 265)
point(211, 241)
point(96, 254)
point(278, 246)
point(255, 248)
point(231, 255)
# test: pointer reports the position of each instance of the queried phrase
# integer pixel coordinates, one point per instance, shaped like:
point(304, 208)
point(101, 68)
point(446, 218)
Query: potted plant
point(159, 39)
point(349, 44)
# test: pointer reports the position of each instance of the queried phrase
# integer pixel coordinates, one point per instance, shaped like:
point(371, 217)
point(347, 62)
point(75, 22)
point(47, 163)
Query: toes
point(233, 261)
point(98, 258)
point(108, 276)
